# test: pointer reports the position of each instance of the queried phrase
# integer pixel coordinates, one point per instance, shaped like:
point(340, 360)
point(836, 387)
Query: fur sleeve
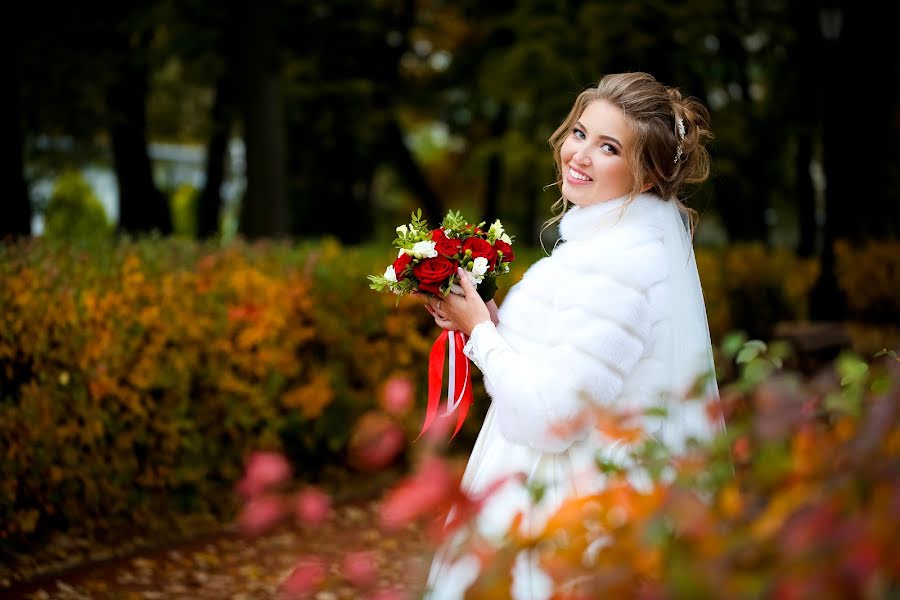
point(595, 333)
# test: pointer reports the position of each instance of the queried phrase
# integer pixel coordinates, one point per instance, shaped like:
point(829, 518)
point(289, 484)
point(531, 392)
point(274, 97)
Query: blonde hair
point(652, 111)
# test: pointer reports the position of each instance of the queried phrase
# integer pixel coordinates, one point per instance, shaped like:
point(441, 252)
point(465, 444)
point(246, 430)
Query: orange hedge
point(135, 376)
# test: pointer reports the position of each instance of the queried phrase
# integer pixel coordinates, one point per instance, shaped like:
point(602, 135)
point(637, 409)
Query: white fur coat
point(584, 325)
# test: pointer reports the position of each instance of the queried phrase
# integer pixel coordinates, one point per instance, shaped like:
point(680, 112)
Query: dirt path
point(237, 568)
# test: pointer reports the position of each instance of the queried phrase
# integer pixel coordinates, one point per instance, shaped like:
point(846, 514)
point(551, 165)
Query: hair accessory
point(681, 132)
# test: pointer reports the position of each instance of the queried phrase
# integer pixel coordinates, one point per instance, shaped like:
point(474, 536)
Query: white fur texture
point(577, 326)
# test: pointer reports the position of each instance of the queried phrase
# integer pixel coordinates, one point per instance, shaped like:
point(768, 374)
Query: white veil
point(689, 355)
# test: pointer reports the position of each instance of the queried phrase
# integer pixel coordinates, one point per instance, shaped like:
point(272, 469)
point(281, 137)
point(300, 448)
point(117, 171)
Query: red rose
point(438, 234)
point(400, 265)
point(448, 246)
point(506, 249)
point(432, 272)
point(479, 248)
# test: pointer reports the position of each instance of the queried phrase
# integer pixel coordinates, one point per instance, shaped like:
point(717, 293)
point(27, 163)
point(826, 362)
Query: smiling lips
point(577, 177)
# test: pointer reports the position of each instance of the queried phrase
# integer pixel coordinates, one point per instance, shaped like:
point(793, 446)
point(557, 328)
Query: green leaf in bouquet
point(380, 283)
point(454, 221)
point(417, 223)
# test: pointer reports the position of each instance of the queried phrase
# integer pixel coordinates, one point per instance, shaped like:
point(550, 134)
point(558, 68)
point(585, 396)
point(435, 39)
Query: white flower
point(401, 253)
point(496, 230)
point(505, 238)
point(479, 267)
point(472, 279)
point(423, 249)
point(402, 230)
point(390, 274)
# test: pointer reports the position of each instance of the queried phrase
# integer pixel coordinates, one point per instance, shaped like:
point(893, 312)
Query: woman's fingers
point(465, 283)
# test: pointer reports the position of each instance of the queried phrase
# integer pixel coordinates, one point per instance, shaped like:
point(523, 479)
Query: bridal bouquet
point(427, 262)
point(428, 258)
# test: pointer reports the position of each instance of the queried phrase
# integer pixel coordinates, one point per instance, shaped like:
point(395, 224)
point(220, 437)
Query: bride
point(614, 317)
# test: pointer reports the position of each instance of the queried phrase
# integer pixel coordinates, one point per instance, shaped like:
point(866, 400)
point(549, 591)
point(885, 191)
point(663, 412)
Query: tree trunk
point(142, 207)
point(744, 197)
point(209, 204)
point(868, 41)
point(826, 300)
point(15, 218)
point(494, 176)
point(264, 210)
point(411, 173)
point(805, 195)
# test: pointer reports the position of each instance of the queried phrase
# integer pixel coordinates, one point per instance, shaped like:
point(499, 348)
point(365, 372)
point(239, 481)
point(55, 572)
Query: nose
point(581, 157)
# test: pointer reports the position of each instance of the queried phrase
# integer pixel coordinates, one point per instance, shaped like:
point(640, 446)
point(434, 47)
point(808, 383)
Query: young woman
point(613, 318)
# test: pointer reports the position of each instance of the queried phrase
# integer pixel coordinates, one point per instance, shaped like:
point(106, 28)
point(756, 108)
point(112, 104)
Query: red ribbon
point(436, 376)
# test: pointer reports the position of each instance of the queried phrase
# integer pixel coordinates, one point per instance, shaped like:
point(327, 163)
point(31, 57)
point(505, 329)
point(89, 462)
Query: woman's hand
point(460, 313)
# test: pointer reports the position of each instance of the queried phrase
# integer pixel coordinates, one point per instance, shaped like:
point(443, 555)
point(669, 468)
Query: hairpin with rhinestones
point(681, 132)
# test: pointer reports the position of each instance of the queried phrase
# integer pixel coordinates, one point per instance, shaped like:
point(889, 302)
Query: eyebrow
point(602, 137)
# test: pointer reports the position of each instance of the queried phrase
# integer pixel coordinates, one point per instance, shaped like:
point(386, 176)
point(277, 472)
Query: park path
point(235, 567)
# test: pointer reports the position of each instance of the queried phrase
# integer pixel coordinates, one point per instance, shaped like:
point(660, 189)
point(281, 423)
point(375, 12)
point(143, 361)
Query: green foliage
point(74, 212)
point(454, 221)
point(184, 211)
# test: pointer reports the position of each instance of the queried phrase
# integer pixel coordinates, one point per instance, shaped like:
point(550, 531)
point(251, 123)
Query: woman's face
point(594, 164)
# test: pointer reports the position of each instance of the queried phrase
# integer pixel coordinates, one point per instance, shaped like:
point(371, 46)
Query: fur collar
point(584, 222)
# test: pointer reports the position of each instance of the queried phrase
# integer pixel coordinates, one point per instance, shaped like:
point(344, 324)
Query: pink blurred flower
point(441, 428)
point(309, 574)
point(260, 514)
point(264, 469)
point(397, 396)
point(313, 506)
point(360, 569)
point(432, 486)
point(376, 442)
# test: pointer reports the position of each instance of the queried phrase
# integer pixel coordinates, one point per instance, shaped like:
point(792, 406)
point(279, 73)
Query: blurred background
point(196, 190)
point(206, 119)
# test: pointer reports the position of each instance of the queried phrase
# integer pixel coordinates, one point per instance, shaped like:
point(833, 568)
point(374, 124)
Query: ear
point(646, 186)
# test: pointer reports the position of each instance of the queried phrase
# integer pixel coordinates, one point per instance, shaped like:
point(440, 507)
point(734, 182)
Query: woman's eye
point(578, 133)
point(609, 148)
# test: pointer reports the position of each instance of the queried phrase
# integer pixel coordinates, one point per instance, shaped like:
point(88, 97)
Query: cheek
point(623, 175)
point(566, 152)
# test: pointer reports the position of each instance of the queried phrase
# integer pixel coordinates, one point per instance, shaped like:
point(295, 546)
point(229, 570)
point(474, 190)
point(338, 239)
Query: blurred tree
point(510, 79)
point(142, 207)
point(209, 204)
point(95, 57)
point(456, 97)
point(264, 210)
point(858, 204)
point(74, 211)
point(16, 219)
point(343, 89)
point(203, 38)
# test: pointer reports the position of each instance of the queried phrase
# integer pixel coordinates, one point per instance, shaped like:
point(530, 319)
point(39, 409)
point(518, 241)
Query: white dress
point(613, 317)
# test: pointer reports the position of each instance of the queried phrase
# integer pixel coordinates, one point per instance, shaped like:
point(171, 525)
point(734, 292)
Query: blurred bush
point(184, 210)
point(869, 276)
point(74, 212)
point(750, 287)
point(797, 499)
point(136, 375)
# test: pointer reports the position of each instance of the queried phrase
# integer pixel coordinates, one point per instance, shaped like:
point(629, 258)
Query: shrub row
point(135, 376)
